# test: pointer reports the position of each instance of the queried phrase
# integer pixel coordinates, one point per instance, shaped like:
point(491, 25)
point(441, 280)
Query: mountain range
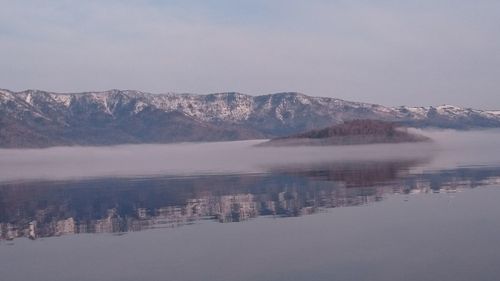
point(35, 118)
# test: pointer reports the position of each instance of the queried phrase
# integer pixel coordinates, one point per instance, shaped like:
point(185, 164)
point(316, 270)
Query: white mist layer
point(450, 149)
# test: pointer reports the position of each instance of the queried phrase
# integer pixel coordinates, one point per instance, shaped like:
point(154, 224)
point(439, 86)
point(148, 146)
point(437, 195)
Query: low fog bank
point(455, 149)
point(449, 149)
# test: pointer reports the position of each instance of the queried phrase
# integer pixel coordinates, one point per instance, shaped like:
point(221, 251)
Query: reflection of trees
point(353, 174)
point(117, 205)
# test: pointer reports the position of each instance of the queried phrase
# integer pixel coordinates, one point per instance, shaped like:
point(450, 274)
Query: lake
point(233, 211)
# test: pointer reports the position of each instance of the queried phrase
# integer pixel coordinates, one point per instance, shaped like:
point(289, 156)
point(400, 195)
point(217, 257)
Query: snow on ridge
point(303, 99)
point(62, 99)
point(448, 106)
point(219, 106)
point(236, 107)
point(6, 95)
point(224, 106)
point(452, 111)
point(494, 112)
point(419, 112)
point(139, 106)
point(29, 99)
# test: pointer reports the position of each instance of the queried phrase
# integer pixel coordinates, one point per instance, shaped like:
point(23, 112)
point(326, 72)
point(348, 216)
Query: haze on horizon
point(386, 52)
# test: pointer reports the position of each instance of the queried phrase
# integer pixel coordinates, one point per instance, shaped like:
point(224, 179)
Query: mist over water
point(415, 211)
point(479, 147)
point(449, 149)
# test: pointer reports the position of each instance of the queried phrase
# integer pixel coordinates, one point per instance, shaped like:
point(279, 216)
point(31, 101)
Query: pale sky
point(421, 52)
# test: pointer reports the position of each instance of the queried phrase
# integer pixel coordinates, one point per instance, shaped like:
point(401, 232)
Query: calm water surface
point(229, 211)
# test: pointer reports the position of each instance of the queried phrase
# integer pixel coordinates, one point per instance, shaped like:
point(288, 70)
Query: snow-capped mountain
point(35, 118)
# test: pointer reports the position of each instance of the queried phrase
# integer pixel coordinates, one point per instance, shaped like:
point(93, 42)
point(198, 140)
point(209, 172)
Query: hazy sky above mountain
point(389, 52)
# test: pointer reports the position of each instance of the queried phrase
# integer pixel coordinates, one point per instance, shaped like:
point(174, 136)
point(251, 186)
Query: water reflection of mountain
point(46, 209)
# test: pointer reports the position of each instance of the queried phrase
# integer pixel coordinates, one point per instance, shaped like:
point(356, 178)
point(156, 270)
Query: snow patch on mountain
point(64, 100)
point(494, 112)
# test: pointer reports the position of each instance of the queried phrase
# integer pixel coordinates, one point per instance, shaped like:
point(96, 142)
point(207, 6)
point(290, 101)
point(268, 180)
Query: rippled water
point(230, 211)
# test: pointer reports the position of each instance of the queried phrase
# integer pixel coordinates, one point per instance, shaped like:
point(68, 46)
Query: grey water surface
point(233, 211)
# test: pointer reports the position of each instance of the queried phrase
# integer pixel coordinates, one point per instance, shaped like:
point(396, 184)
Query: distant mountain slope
point(35, 118)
